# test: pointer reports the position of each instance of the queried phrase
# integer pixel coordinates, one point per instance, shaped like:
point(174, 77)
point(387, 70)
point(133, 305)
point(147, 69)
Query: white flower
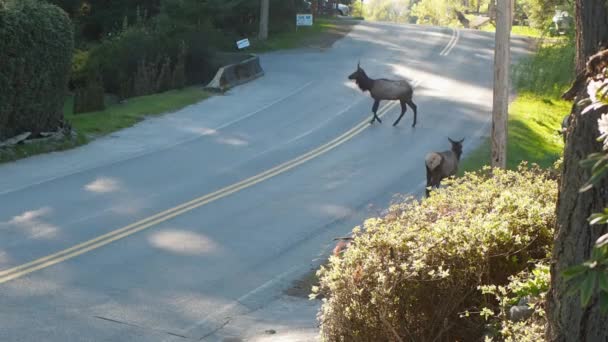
point(602, 123)
point(593, 87)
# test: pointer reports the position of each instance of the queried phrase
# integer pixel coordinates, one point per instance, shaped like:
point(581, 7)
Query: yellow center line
point(44, 262)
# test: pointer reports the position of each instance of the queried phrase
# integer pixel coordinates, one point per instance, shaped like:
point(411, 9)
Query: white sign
point(243, 43)
point(303, 19)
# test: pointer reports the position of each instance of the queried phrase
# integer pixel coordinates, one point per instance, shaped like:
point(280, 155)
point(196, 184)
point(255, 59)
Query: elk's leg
point(415, 109)
point(374, 110)
point(428, 180)
point(403, 110)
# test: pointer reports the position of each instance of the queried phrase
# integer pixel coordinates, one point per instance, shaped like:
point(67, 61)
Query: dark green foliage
point(143, 60)
point(145, 78)
point(178, 76)
point(163, 81)
point(36, 44)
point(95, 19)
point(89, 98)
point(166, 43)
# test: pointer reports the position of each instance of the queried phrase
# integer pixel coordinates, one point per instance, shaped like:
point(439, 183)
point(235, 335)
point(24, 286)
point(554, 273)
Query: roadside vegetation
point(532, 18)
point(122, 115)
point(404, 275)
point(414, 273)
point(536, 113)
point(457, 265)
point(129, 59)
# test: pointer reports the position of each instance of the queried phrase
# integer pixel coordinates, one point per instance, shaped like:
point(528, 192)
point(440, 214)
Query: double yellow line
point(38, 264)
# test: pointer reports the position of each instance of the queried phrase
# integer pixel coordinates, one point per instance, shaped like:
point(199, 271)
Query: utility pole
point(502, 58)
point(264, 9)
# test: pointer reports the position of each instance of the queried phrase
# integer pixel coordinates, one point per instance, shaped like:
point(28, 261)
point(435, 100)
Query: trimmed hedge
point(36, 45)
point(144, 60)
point(415, 271)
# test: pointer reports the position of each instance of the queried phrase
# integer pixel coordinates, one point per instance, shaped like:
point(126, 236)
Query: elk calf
point(342, 245)
point(440, 165)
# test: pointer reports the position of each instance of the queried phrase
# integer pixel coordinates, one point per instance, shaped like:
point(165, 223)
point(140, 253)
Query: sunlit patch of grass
point(519, 30)
point(533, 124)
point(537, 112)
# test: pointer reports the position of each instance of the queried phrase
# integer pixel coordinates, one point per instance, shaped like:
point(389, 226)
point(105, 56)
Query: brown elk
point(440, 165)
point(383, 89)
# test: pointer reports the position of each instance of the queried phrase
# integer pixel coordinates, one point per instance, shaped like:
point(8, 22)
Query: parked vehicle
point(326, 7)
point(562, 23)
point(342, 9)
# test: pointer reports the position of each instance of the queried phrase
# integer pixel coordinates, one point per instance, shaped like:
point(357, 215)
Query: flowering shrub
point(411, 274)
point(526, 291)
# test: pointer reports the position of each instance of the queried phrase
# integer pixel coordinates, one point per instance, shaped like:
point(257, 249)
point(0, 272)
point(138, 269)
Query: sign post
point(303, 20)
point(243, 43)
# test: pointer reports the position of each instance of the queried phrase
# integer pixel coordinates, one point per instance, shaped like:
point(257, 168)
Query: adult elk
point(383, 89)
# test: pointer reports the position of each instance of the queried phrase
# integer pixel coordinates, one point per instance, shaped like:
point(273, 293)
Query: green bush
point(36, 44)
point(413, 272)
point(529, 287)
point(118, 59)
point(89, 98)
point(144, 59)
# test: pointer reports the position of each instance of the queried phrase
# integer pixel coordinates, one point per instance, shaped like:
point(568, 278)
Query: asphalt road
point(251, 188)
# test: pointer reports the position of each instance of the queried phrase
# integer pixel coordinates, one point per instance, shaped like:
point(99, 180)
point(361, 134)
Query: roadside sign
point(243, 43)
point(303, 19)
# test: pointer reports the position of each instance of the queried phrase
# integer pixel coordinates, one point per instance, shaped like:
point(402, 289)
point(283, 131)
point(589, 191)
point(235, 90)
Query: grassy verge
point(114, 117)
point(536, 113)
point(518, 30)
point(118, 116)
point(294, 39)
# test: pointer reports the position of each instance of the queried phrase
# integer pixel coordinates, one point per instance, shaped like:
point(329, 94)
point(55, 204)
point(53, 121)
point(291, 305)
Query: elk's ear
point(461, 140)
point(452, 141)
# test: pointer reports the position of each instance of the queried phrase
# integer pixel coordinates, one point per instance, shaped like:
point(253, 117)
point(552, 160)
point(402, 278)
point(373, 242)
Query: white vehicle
point(343, 9)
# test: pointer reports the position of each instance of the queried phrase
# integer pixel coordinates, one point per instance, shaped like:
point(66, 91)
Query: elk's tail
point(432, 160)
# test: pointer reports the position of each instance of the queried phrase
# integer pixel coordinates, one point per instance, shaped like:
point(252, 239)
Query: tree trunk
point(591, 29)
point(574, 237)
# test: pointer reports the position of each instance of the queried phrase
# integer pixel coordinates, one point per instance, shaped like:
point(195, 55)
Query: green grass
point(536, 113)
point(533, 122)
point(114, 117)
point(118, 116)
point(526, 31)
point(517, 30)
point(293, 39)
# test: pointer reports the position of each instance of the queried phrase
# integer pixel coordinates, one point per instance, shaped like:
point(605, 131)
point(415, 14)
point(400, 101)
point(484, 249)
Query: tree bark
point(574, 237)
point(591, 17)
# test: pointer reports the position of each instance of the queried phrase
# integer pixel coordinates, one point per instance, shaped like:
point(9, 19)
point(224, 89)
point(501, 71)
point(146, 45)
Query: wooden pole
point(264, 9)
point(502, 58)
